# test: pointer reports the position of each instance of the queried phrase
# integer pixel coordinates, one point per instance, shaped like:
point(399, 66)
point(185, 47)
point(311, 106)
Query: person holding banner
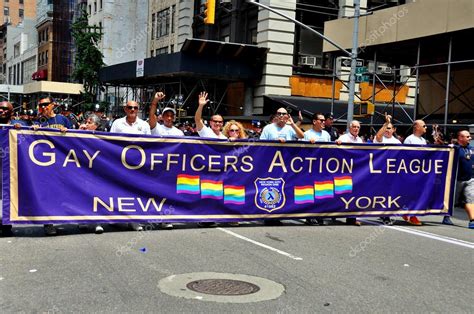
point(131, 124)
point(49, 119)
point(465, 178)
point(419, 129)
point(6, 114)
point(385, 136)
point(234, 130)
point(168, 116)
point(216, 121)
point(317, 134)
point(283, 129)
point(351, 137)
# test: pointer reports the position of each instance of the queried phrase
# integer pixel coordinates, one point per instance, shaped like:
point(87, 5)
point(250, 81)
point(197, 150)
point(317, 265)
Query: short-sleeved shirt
point(274, 132)
point(322, 136)
point(466, 162)
point(138, 127)
point(388, 140)
point(55, 122)
point(332, 132)
point(208, 132)
point(162, 130)
point(349, 138)
point(413, 139)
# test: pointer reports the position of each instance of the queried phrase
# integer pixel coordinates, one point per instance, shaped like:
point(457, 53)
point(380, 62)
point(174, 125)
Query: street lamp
point(352, 54)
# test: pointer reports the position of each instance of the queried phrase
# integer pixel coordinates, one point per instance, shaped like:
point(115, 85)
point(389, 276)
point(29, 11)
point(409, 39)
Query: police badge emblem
point(270, 194)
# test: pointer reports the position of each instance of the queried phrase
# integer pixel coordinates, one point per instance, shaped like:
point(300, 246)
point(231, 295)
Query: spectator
point(351, 137)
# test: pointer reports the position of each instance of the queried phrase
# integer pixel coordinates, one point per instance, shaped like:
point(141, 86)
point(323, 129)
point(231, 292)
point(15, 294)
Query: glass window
point(20, 13)
point(6, 11)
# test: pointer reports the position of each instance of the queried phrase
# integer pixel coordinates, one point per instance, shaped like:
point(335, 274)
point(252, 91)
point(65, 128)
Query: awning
point(308, 106)
point(197, 59)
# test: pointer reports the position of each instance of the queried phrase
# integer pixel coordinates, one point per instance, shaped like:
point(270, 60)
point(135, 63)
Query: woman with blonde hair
point(234, 130)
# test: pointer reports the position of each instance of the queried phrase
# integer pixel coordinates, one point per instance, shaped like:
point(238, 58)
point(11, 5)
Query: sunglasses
point(281, 113)
point(234, 130)
point(215, 121)
point(388, 128)
point(4, 108)
point(44, 104)
point(425, 126)
point(322, 120)
point(132, 107)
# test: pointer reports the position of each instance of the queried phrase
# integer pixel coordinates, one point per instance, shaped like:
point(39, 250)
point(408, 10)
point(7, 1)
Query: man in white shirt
point(317, 133)
point(351, 137)
point(283, 129)
point(131, 123)
point(168, 116)
point(419, 129)
point(216, 122)
point(385, 134)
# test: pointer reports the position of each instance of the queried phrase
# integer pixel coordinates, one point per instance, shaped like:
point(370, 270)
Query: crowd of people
point(281, 128)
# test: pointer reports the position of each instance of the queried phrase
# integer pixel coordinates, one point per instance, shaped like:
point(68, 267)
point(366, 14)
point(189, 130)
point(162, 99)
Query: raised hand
point(203, 99)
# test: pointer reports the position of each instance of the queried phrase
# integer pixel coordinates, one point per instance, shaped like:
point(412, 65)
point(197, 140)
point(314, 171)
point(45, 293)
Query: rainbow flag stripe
point(304, 194)
point(234, 194)
point(323, 189)
point(343, 185)
point(187, 184)
point(211, 189)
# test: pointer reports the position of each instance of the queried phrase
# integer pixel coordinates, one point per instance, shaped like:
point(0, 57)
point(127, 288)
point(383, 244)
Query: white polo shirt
point(413, 139)
point(138, 127)
point(208, 132)
point(349, 138)
point(391, 140)
point(162, 130)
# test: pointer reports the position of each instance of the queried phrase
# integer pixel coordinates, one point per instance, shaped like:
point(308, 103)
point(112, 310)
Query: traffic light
point(210, 12)
point(363, 109)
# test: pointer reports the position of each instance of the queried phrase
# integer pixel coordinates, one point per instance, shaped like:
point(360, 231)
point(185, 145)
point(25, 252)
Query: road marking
point(260, 244)
point(425, 234)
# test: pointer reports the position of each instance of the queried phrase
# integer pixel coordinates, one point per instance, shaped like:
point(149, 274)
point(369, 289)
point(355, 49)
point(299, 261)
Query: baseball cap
point(328, 115)
point(168, 109)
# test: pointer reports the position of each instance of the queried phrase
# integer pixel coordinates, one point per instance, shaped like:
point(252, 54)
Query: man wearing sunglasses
point(283, 129)
point(216, 122)
point(131, 123)
point(49, 119)
point(419, 129)
point(6, 113)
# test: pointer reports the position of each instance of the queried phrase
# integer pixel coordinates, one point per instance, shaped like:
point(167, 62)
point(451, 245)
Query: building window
point(173, 17)
point(161, 51)
point(100, 4)
point(46, 57)
point(163, 23)
point(21, 1)
point(16, 50)
point(95, 6)
point(152, 53)
point(6, 11)
point(20, 13)
point(90, 9)
point(153, 25)
point(46, 34)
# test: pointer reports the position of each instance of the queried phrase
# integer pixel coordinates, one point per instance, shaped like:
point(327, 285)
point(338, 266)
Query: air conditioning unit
point(382, 68)
point(307, 60)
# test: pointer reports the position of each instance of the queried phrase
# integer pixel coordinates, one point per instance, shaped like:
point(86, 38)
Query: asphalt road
point(322, 268)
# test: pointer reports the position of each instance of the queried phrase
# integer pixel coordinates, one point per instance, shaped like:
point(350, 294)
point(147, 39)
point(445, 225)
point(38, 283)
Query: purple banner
point(83, 177)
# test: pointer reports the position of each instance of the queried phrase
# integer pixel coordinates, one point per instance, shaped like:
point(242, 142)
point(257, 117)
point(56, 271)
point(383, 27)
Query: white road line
point(425, 234)
point(261, 244)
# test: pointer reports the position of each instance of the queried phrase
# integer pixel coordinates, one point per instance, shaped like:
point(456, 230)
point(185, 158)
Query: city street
point(337, 268)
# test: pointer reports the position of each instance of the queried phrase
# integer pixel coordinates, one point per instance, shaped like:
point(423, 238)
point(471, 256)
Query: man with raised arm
point(216, 122)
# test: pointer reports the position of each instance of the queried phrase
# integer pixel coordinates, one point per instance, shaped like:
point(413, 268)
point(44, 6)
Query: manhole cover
point(222, 287)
